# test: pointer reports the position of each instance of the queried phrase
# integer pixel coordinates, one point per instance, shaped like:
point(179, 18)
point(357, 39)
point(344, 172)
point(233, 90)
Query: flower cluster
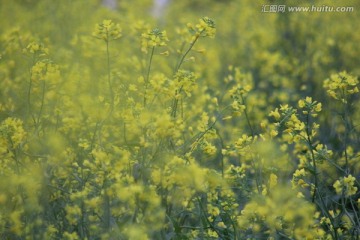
point(36, 48)
point(339, 86)
point(346, 186)
point(243, 84)
point(107, 30)
point(205, 28)
point(184, 82)
point(12, 133)
point(45, 71)
point(153, 38)
point(263, 218)
point(309, 106)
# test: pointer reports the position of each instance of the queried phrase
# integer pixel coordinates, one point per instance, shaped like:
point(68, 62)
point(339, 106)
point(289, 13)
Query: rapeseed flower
point(153, 38)
point(346, 186)
point(107, 30)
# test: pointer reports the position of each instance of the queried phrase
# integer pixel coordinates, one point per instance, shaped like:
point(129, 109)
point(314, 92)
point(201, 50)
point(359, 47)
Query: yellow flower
point(212, 233)
point(153, 38)
point(221, 224)
point(209, 149)
point(12, 129)
point(273, 133)
point(340, 85)
point(301, 103)
point(206, 27)
point(275, 114)
point(273, 180)
point(214, 211)
point(70, 236)
point(318, 107)
point(346, 185)
point(36, 48)
point(15, 218)
point(107, 30)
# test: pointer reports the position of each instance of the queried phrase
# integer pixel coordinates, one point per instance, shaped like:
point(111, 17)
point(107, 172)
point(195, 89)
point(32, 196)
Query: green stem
point(175, 102)
point(203, 211)
point(327, 214)
point(346, 136)
point(30, 85)
point(309, 142)
point(198, 139)
point(247, 116)
point(110, 89)
point(148, 74)
point(322, 204)
point(109, 77)
point(355, 212)
point(42, 103)
point(29, 95)
point(107, 209)
point(221, 154)
point(186, 53)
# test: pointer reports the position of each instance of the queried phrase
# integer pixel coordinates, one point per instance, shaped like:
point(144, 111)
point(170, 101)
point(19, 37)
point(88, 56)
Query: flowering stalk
point(186, 53)
point(151, 39)
point(340, 87)
point(311, 109)
point(107, 31)
point(37, 51)
point(178, 91)
point(205, 28)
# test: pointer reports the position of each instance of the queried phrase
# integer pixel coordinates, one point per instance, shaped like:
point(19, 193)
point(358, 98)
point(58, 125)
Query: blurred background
point(289, 54)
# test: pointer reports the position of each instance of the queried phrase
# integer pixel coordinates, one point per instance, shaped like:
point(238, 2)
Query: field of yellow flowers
point(199, 120)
